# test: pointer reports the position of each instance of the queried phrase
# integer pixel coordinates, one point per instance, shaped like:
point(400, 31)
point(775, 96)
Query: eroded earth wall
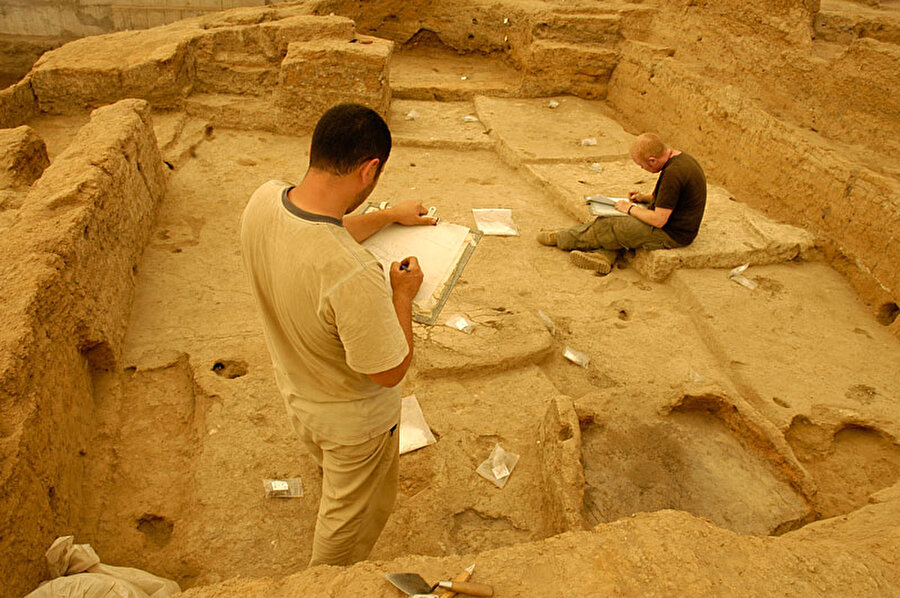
point(68, 259)
point(76, 18)
point(800, 127)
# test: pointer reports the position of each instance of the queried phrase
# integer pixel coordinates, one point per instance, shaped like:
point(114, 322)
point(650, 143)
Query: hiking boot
point(547, 237)
point(591, 261)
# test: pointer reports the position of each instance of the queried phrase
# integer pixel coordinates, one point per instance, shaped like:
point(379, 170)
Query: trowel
point(414, 586)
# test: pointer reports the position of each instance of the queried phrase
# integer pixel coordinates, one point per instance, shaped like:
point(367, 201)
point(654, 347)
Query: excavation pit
point(140, 411)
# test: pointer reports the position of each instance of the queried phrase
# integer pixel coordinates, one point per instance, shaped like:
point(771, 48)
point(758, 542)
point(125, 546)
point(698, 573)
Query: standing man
point(340, 339)
point(671, 218)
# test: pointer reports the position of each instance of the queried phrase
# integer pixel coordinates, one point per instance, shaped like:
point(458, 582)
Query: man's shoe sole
point(590, 261)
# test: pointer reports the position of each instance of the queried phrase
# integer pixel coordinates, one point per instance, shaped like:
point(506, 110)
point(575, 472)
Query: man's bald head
point(648, 145)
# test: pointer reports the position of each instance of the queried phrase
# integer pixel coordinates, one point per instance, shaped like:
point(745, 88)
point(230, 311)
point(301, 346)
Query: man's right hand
point(639, 197)
point(406, 277)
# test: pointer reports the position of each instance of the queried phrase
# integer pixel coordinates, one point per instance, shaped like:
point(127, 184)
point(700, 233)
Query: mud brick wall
point(17, 104)
point(246, 59)
point(67, 270)
point(155, 65)
point(77, 18)
point(317, 75)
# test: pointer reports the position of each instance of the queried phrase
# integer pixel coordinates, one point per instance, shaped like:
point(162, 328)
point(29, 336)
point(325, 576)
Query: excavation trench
point(159, 419)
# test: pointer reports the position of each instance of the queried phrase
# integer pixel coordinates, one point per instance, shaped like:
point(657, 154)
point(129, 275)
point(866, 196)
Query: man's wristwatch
point(629, 209)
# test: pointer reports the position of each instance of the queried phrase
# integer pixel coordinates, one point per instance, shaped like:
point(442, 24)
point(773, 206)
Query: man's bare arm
point(656, 217)
point(363, 226)
point(406, 277)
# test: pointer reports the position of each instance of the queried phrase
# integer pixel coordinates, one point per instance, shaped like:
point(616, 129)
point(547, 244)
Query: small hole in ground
point(230, 368)
point(887, 313)
point(157, 529)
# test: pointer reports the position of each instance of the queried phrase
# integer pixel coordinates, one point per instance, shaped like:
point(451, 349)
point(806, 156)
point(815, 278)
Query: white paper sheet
point(436, 247)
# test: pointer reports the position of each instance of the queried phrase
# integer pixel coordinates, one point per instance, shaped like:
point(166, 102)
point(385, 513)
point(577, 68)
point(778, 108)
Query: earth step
point(557, 67)
point(234, 111)
point(446, 125)
point(579, 29)
point(446, 76)
point(843, 26)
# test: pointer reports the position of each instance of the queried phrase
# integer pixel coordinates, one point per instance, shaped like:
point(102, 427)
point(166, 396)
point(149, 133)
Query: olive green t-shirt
point(681, 187)
point(327, 314)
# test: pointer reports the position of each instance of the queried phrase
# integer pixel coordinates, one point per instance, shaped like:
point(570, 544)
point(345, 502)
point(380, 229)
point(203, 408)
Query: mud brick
point(316, 75)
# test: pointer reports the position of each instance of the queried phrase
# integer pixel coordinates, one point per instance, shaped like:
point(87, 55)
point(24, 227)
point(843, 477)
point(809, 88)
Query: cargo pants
point(359, 487)
point(607, 235)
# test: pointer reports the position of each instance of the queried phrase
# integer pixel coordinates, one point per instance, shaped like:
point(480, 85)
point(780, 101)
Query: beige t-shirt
point(327, 314)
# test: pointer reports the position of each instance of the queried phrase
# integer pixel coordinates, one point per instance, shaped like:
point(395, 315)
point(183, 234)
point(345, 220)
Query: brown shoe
point(591, 261)
point(547, 237)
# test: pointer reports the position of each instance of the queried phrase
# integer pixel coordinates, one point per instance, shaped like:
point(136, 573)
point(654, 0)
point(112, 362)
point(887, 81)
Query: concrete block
point(316, 75)
point(23, 157)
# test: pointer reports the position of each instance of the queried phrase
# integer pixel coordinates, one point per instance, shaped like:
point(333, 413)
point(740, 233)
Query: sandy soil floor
point(701, 395)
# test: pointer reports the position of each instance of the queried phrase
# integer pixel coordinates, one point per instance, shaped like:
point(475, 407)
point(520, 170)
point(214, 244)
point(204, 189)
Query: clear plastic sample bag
point(498, 467)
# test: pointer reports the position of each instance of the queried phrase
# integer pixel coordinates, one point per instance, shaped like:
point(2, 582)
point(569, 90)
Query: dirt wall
point(17, 104)
point(67, 268)
point(18, 54)
point(76, 18)
point(805, 138)
point(240, 68)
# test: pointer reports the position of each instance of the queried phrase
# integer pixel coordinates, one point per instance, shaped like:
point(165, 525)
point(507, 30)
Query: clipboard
point(600, 205)
point(443, 250)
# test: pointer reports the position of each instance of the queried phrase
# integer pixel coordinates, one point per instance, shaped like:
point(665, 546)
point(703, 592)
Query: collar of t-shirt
point(309, 216)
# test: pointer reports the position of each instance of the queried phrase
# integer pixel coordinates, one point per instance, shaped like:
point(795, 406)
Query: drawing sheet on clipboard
point(442, 251)
point(600, 205)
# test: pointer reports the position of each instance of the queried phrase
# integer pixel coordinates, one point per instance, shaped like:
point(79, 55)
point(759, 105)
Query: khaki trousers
point(359, 487)
point(607, 235)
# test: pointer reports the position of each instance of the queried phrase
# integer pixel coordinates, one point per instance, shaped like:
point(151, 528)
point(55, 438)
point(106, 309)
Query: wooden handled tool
point(469, 588)
point(462, 577)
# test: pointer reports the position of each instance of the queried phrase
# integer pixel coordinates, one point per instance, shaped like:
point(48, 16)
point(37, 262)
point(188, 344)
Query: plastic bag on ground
point(577, 357)
point(495, 221)
point(737, 275)
point(414, 430)
point(498, 467)
point(461, 323)
point(286, 488)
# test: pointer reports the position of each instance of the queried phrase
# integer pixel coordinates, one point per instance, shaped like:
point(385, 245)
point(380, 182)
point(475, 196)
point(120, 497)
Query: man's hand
point(406, 278)
point(639, 197)
point(411, 213)
point(622, 206)
point(363, 226)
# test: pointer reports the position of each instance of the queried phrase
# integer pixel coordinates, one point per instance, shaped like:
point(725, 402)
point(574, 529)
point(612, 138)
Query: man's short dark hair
point(348, 135)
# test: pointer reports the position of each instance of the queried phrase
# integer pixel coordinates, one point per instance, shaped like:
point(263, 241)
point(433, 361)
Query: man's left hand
point(623, 205)
point(412, 213)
